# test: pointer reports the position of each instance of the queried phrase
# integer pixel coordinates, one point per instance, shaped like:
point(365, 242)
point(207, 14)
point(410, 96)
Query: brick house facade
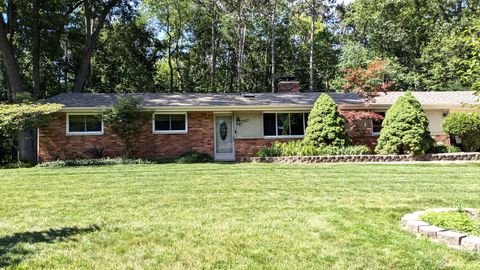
point(225, 126)
point(54, 143)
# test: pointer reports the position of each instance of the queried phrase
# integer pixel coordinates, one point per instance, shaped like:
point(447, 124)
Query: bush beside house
point(15, 118)
point(441, 148)
point(300, 149)
point(465, 125)
point(126, 119)
point(405, 129)
point(325, 124)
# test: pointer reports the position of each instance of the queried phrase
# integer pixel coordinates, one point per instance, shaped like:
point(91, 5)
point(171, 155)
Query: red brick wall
point(55, 144)
point(442, 138)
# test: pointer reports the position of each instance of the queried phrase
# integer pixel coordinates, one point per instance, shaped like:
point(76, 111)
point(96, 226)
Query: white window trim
point(173, 132)
point(276, 126)
point(370, 122)
point(86, 133)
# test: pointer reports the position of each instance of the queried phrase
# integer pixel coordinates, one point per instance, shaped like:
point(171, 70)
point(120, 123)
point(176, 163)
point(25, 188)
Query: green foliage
point(405, 129)
point(465, 125)
point(18, 165)
point(459, 221)
point(432, 45)
point(193, 157)
point(325, 124)
point(185, 158)
point(357, 56)
point(92, 162)
point(470, 62)
point(127, 119)
point(14, 118)
point(124, 45)
point(441, 148)
point(300, 148)
point(426, 38)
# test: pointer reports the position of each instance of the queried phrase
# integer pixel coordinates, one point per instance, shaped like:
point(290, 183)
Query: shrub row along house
point(226, 126)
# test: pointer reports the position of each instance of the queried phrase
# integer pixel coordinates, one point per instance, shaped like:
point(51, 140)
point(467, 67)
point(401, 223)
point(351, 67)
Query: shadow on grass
point(12, 252)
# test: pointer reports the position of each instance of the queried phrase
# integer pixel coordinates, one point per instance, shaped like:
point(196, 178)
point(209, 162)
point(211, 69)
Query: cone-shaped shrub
point(405, 129)
point(325, 124)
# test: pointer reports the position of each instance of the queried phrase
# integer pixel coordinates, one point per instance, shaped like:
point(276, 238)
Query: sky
point(345, 1)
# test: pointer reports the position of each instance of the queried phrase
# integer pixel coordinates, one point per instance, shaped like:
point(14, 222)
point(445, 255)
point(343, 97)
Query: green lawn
point(229, 216)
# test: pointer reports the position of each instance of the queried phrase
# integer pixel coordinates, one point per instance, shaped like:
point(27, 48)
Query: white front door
point(224, 148)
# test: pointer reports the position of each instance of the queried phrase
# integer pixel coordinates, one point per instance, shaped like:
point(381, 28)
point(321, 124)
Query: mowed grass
point(250, 216)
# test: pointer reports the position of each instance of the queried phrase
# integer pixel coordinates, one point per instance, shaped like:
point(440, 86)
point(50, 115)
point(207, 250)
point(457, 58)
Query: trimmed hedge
point(300, 148)
point(17, 165)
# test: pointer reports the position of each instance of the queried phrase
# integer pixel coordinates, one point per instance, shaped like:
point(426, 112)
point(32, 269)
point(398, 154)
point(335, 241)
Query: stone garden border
point(475, 156)
point(454, 239)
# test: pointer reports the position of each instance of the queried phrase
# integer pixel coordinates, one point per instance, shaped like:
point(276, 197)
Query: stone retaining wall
point(366, 158)
point(454, 239)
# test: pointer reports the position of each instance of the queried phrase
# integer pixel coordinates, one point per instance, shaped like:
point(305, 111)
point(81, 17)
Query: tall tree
point(36, 47)
point(273, 37)
point(214, 45)
point(92, 30)
point(421, 36)
point(313, 18)
point(14, 77)
point(241, 32)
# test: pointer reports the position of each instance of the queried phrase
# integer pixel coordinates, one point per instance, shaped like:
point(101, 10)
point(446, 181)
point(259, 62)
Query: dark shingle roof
point(84, 100)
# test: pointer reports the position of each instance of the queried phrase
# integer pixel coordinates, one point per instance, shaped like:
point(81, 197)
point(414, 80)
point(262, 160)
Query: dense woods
point(55, 46)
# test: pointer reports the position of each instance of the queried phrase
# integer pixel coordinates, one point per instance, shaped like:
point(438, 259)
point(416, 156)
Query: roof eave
point(254, 108)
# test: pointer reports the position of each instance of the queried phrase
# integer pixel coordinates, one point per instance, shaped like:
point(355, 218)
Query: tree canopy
point(56, 46)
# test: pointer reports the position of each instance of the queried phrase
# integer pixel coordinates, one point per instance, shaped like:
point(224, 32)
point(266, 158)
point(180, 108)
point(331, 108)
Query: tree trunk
point(11, 65)
point(214, 45)
point(312, 43)
point(178, 43)
point(241, 43)
point(90, 42)
point(170, 65)
point(36, 47)
point(274, 17)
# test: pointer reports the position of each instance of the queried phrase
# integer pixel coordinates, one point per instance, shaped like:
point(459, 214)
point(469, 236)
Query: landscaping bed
point(365, 158)
point(458, 228)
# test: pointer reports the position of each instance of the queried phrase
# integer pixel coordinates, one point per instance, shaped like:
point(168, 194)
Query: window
point(377, 125)
point(170, 123)
point(269, 124)
point(284, 124)
point(84, 124)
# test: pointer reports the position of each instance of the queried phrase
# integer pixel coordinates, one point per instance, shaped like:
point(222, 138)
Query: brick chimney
point(288, 85)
